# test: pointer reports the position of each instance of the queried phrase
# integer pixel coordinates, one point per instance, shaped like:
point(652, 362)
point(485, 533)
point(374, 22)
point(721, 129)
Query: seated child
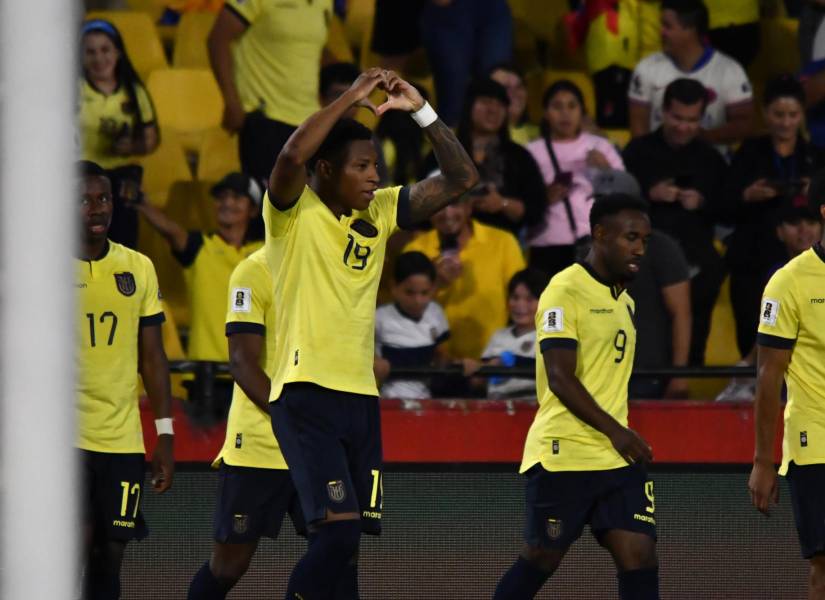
point(409, 331)
point(515, 345)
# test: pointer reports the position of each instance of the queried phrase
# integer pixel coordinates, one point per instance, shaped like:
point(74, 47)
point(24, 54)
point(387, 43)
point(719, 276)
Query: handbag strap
point(568, 209)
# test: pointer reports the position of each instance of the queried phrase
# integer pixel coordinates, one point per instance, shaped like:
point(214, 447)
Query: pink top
point(572, 156)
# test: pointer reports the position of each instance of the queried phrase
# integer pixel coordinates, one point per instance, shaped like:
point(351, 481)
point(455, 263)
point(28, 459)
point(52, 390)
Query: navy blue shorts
point(561, 503)
point(331, 441)
point(112, 491)
point(807, 485)
point(253, 502)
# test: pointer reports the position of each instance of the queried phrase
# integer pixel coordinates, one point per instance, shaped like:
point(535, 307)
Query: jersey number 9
point(620, 343)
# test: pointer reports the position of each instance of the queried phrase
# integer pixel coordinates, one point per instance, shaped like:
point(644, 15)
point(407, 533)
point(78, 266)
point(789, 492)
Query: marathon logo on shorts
point(125, 283)
point(770, 311)
point(241, 300)
point(240, 523)
point(238, 440)
point(803, 439)
point(554, 528)
point(553, 320)
point(555, 446)
point(336, 491)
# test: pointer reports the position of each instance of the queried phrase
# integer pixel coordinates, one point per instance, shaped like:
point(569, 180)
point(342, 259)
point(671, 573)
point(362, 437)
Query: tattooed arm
point(458, 173)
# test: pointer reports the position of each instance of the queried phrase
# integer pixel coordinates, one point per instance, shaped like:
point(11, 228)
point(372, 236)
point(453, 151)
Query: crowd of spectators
point(727, 197)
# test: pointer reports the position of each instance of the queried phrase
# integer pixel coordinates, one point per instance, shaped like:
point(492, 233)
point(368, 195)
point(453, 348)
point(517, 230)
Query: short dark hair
point(87, 168)
point(816, 192)
point(341, 72)
point(783, 86)
point(563, 85)
point(612, 204)
point(687, 91)
point(339, 137)
point(534, 279)
point(413, 263)
point(692, 14)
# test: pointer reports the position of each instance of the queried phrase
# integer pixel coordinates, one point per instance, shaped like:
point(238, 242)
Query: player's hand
point(631, 446)
point(664, 191)
point(690, 199)
point(759, 191)
point(401, 95)
point(163, 463)
point(359, 92)
point(233, 117)
point(763, 487)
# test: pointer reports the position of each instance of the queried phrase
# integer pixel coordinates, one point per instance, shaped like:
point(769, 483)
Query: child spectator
point(116, 119)
point(515, 345)
point(522, 131)
point(408, 332)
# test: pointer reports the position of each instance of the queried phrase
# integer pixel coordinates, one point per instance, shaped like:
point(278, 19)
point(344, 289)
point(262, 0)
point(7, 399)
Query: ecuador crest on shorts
point(336, 491)
point(554, 528)
point(125, 283)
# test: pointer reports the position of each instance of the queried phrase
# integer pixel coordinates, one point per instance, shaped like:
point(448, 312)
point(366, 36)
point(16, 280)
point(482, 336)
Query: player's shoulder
point(565, 283)
point(127, 256)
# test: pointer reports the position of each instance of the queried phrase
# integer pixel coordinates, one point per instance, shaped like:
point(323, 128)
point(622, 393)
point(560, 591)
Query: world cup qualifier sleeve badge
point(125, 283)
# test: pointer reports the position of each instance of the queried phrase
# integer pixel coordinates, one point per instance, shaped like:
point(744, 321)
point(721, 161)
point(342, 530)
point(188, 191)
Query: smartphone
point(564, 178)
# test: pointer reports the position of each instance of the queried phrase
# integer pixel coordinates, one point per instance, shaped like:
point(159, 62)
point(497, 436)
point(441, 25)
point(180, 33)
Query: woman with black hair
point(569, 159)
point(116, 118)
point(510, 194)
point(767, 175)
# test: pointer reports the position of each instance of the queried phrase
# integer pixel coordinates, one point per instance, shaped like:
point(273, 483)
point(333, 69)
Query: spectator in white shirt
point(685, 53)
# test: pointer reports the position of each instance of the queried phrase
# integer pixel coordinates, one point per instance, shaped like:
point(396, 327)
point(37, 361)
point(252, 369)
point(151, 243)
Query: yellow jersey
point(793, 317)
point(102, 119)
point(476, 302)
point(117, 295)
point(249, 439)
point(278, 58)
point(579, 311)
point(326, 272)
point(208, 262)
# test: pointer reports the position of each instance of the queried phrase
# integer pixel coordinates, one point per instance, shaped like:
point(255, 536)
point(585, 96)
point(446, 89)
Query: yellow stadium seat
point(188, 101)
point(164, 166)
point(337, 42)
point(619, 137)
point(140, 38)
point(778, 50)
point(153, 8)
point(360, 14)
point(217, 155)
point(190, 40)
point(539, 81)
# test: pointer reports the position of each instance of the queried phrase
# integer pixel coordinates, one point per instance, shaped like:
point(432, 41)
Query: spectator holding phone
point(569, 159)
point(510, 193)
point(767, 174)
point(682, 176)
point(116, 118)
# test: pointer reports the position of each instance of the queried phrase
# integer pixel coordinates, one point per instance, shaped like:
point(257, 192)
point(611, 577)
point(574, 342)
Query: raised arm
point(169, 229)
point(560, 365)
point(154, 369)
point(288, 176)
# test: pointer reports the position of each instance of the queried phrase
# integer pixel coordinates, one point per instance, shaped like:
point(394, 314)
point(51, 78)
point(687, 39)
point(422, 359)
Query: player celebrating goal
point(327, 228)
point(118, 335)
point(791, 343)
point(579, 446)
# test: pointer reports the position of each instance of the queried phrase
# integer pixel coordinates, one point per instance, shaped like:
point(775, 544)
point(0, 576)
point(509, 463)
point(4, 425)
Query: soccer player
point(118, 336)
point(327, 228)
point(583, 464)
point(791, 344)
point(255, 490)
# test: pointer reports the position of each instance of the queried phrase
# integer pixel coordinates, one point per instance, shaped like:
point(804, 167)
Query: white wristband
point(424, 116)
point(164, 426)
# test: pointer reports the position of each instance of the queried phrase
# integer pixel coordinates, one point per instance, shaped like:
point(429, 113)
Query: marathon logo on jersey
point(241, 300)
point(240, 523)
point(336, 491)
point(125, 283)
point(803, 439)
point(770, 312)
point(238, 440)
point(364, 228)
point(554, 528)
point(553, 320)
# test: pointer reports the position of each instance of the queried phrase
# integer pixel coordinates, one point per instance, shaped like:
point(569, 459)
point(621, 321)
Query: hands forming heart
point(400, 94)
